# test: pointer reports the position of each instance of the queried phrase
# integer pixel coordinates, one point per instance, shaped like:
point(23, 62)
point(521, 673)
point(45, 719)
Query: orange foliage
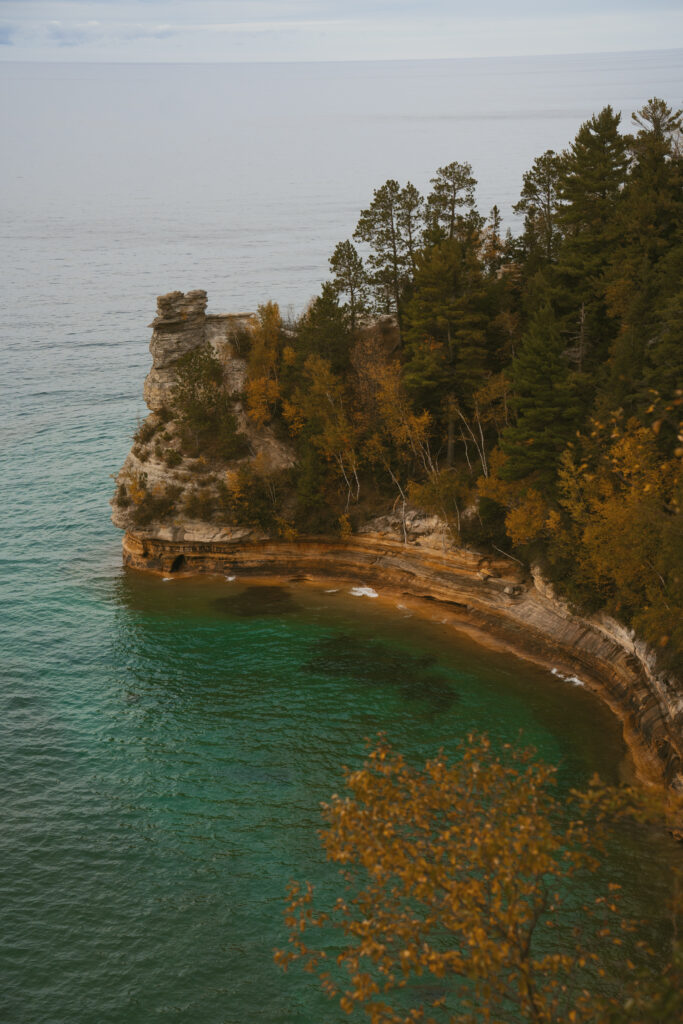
point(455, 871)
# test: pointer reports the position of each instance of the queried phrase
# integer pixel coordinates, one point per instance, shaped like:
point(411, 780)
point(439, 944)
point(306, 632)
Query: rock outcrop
point(409, 555)
point(181, 326)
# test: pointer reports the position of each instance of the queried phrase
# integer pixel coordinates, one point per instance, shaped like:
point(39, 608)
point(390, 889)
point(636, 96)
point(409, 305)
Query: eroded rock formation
point(409, 555)
point(181, 326)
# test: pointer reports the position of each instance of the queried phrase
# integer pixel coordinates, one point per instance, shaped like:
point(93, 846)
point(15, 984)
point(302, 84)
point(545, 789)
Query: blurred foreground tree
point(461, 900)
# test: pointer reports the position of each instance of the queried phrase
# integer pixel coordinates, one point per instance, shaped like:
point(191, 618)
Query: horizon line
point(350, 60)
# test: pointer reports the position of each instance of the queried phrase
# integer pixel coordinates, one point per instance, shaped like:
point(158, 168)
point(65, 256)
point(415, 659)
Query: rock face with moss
point(204, 490)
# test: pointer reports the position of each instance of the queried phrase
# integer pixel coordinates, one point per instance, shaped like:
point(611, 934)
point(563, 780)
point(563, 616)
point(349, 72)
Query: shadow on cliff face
point(256, 602)
point(415, 677)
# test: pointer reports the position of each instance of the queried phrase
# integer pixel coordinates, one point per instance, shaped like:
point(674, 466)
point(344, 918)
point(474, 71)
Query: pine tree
point(592, 175)
point(642, 275)
point(391, 226)
point(451, 197)
point(545, 403)
point(324, 331)
point(539, 202)
point(350, 280)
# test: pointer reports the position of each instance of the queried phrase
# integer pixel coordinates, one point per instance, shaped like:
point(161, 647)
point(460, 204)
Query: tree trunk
point(450, 449)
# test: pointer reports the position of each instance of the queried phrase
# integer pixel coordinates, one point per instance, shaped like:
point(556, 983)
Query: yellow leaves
point(262, 394)
point(451, 868)
point(527, 520)
point(345, 529)
point(136, 486)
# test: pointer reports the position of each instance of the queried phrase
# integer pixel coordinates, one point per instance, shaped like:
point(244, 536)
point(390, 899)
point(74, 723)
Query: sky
point(324, 30)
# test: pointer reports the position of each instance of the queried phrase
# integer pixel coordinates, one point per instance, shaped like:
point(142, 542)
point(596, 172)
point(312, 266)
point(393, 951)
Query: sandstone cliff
point(180, 327)
point(409, 555)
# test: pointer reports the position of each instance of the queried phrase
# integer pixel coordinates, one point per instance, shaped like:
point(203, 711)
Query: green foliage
point(391, 226)
point(545, 404)
point(145, 432)
point(350, 280)
point(539, 204)
point(317, 500)
point(204, 409)
point(324, 330)
point(258, 500)
point(154, 506)
point(452, 196)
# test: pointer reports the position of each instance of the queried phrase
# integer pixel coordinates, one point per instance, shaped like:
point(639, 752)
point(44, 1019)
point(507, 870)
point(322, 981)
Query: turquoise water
point(164, 746)
point(163, 762)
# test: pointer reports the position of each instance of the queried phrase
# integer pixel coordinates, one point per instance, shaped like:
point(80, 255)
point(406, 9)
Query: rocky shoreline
point(494, 599)
point(481, 596)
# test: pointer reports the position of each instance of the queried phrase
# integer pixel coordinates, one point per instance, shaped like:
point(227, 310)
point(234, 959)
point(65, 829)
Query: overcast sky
point(291, 30)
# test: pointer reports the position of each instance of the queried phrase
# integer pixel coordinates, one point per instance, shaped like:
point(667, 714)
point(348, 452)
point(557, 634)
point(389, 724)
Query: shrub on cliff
point(204, 409)
point(145, 432)
point(152, 506)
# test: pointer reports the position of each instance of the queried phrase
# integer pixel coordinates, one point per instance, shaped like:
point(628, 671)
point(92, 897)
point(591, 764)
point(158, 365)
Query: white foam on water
point(230, 578)
point(364, 592)
point(166, 578)
point(574, 680)
point(331, 591)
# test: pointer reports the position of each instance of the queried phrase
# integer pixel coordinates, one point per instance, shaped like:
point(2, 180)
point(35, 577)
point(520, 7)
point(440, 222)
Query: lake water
point(165, 746)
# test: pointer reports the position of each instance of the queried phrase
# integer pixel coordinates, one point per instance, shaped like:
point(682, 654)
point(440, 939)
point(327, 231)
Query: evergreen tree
point(544, 401)
point(451, 197)
point(350, 280)
point(446, 322)
point(391, 226)
point(642, 274)
point(410, 222)
point(539, 202)
point(493, 246)
point(592, 175)
point(663, 372)
point(324, 331)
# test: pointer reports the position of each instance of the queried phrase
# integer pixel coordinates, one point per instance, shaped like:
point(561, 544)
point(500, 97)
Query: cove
point(181, 788)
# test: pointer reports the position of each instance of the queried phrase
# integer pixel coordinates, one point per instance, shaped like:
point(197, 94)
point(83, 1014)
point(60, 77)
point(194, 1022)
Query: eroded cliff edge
point(409, 555)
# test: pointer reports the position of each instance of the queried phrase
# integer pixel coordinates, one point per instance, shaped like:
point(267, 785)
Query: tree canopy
point(528, 389)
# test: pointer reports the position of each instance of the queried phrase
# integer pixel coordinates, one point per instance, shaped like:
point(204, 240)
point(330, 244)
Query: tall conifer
point(545, 404)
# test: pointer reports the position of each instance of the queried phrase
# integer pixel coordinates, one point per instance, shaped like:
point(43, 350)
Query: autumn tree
point(624, 501)
point(263, 387)
point(319, 409)
point(460, 890)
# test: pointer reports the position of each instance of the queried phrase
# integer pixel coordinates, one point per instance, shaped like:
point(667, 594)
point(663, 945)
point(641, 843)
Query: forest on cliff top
point(531, 395)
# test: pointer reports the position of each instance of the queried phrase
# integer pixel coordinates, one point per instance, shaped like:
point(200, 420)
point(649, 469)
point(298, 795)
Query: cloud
point(67, 35)
point(263, 30)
